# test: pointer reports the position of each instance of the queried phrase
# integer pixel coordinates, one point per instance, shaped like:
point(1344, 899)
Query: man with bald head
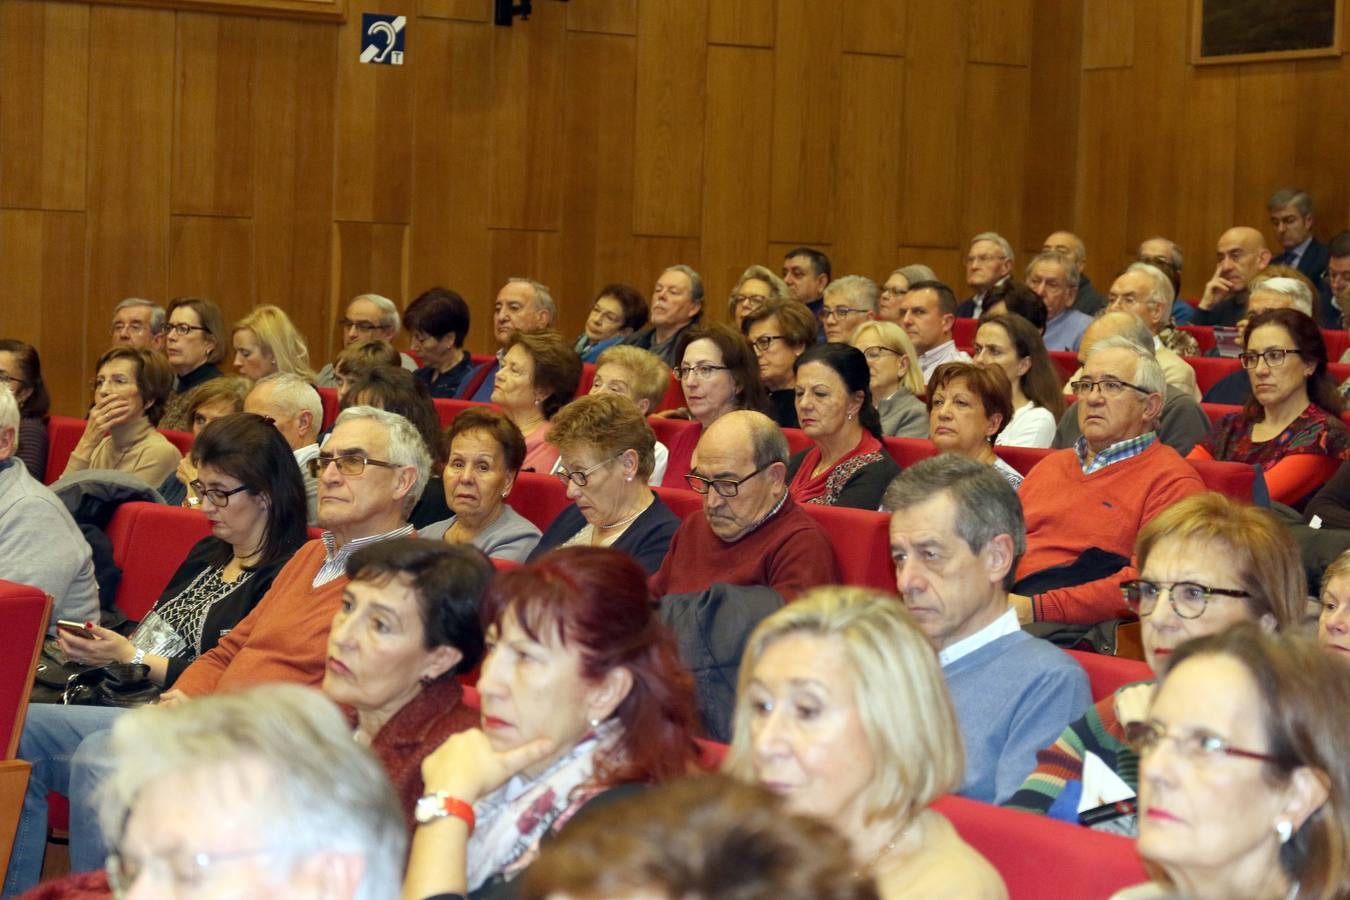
point(749, 532)
point(1089, 300)
point(1242, 253)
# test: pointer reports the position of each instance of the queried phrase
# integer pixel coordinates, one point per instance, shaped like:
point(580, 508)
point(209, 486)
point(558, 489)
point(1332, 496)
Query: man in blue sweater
point(957, 534)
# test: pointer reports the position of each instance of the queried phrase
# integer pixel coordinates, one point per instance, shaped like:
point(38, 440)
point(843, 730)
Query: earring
point(1284, 830)
point(595, 723)
point(849, 417)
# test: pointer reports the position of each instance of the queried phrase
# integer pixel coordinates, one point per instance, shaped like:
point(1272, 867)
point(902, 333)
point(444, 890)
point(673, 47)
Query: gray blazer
point(511, 537)
point(903, 415)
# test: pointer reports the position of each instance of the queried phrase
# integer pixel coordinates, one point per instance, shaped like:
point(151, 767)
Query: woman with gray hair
point(757, 286)
point(897, 286)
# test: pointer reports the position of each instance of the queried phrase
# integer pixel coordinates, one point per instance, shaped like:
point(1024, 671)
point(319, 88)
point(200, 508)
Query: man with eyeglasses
point(521, 305)
point(1165, 254)
point(927, 314)
point(1054, 278)
point(139, 323)
point(294, 408)
point(1337, 284)
point(1088, 301)
point(1085, 505)
point(677, 304)
point(750, 532)
point(849, 302)
point(369, 317)
point(1144, 291)
point(989, 262)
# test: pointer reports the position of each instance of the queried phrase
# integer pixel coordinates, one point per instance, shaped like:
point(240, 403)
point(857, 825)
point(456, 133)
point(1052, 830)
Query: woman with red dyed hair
point(582, 693)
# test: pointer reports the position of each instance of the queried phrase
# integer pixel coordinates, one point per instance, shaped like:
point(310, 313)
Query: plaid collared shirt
point(335, 557)
point(1117, 452)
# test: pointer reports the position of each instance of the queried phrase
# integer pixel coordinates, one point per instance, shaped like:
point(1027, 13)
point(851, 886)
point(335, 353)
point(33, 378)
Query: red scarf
point(817, 489)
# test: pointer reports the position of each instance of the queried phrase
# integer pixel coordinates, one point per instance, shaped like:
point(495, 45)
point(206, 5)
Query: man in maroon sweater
point(750, 532)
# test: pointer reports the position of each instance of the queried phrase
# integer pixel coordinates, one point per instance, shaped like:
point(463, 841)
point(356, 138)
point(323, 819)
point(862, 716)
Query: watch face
point(429, 807)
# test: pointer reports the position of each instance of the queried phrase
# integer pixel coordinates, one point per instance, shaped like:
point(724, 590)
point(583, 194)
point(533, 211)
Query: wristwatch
point(438, 805)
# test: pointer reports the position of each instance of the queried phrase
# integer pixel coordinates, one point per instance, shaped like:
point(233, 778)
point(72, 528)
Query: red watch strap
point(460, 810)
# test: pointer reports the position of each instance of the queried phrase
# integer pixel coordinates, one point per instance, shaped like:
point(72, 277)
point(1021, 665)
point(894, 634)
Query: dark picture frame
point(1232, 31)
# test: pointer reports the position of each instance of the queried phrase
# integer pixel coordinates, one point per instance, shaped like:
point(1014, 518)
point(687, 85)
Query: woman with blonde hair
point(756, 286)
point(265, 342)
point(897, 378)
point(841, 708)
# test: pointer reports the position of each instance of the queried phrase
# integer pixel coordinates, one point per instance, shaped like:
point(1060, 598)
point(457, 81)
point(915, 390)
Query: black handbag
point(54, 671)
point(118, 684)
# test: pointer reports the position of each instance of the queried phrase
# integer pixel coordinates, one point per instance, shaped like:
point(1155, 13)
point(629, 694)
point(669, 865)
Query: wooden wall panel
point(603, 16)
point(1206, 204)
point(1103, 175)
point(874, 26)
point(213, 140)
point(651, 255)
point(935, 148)
point(1321, 125)
point(527, 98)
point(999, 32)
point(465, 10)
point(212, 256)
point(370, 259)
point(741, 23)
point(1268, 160)
point(948, 263)
point(735, 224)
point(130, 68)
point(527, 254)
point(1052, 136)
point(1108, 34)
point(806, 87)
point(995, 96)
point(42, 269)
point(44, 111)
point(866, 217)
point(374, 126)
point(668, 156)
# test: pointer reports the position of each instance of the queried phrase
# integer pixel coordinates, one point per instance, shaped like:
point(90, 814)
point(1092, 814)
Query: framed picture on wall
point(1228, 31)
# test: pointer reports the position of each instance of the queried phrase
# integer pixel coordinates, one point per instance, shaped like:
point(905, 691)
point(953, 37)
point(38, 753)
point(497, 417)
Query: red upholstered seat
point(63, 433)
point(1235, 480)
point(447, 409)
point(180, 439)
point(150, 541)
point(1203, 334)
point(24, 610)
point(667, 430)
point(587, 376)
point(1066, 363)
point(681, 501)
point(908, 451)
point(963, 331)
point(538, 498)
point(1040, 857)
point(797, 440)
point(1107, 673)
point(1022, 458)
point(1210, 370)
point(862, 544)
point(674, 397)
point(1217, 411)
point(329, 398)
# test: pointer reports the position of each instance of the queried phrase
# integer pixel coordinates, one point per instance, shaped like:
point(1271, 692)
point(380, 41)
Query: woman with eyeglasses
point(253, 495)
point(485, 452)
point(539, 374)
point(895, 288)
point(130, 391)
point(618, 311)
point(605, 452)
point(968, 405)
point(1244, 789)
point(195, 345)
point(896, 378)
point(1205, 563)
point(756, 287)
point(719, 373)
point(207, 402)
point(1015, 346)
point(1290, 425)
point(21, 372)
point(780, 331)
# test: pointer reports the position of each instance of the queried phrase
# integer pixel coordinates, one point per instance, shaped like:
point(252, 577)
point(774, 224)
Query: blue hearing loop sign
point(382, 39)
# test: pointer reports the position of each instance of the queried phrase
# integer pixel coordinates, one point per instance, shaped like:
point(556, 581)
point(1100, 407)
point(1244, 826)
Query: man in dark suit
point(1241, 253)
point(1337, 282)
point(1291, 212)
point(989, 263)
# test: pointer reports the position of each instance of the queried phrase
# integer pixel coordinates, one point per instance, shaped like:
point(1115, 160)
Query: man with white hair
point(40, 544)
point(1084, 506)
point(139, 323)
point(1267, 293)
point(989, 262)
point(1054, 278)
point(849, 302)
point(297, 412)
point(522, 305)
point(369, 317)
point(1146, 292)
point(1089, 300)
point(677, 303)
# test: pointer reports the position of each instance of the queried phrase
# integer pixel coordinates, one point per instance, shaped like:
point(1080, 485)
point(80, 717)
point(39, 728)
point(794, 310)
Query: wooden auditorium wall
point(159, 152)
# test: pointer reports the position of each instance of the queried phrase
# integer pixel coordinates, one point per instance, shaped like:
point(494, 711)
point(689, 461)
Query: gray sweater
point(41, 545)
point(511, 536)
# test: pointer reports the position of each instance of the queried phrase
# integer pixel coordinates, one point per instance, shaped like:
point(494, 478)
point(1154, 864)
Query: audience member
point(407, 626)
point(369, 317)
point(968, 405)
point(780, 331)
point(438, 322)
point(40, 544)
point(294, 407)
point(272, 820)
point(1089, 300)
point(1218, 562)
point(618, 311)
point(846, 464)
point(641, 377)
point(750, 532)
point(21, 372)
point(1333, 620)
point(849, 302)
point(1014, 298)
point(195, 346)
point(539, 375)
point(205, 403)
point(1249, 798)
point(1164, 255)
point(582, 694)
point(1337, 285)
point(841, 709)
point(129, 395)
point(1085, 505)
point(1235, 388)
point(485, 453)
point(605, 452)
point(1290, 426)
point(1012, 344)
point(1054, 278)
point(700, 837)
point(956, 537)
point(1291, 214)
point(927, 314)
point(138, 323)
point(677, 304)
point(254, 501)
point(522, 306)
point(897, 286)
point(989, 262)
point(1242, 253)
point(807, 272)
point(1143, 290)
point(358, 358)
point(266, 342)
point(1182, 424)
point(896, 378)
point(756, 286)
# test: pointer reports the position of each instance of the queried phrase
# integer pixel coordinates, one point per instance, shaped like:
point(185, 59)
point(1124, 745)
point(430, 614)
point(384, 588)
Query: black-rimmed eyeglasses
point(725, 487)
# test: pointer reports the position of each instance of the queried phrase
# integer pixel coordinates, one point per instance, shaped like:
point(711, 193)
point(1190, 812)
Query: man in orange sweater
point(1084, 505)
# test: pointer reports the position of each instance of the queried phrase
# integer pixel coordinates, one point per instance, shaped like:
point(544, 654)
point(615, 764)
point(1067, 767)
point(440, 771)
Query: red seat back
point(587, 376)
point(796, 439)
point(862, 544)
point(908, 451)
point(1210, 370)
point(1235, 480)
point(667, 430)
point(447, 409)
point(24, 610)
point(1022, 458)
point(1108, 673)
point(1338, 371)
point(963, 331)
point(539, 498)
point(63, 433)
point(681, 501)
point(1042, 857)
point(180, 439)
point(150, 541)
point(674, 397)
point(1066, 363)
point(1217, 411)
point(1203, 334)
point(329, 398)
